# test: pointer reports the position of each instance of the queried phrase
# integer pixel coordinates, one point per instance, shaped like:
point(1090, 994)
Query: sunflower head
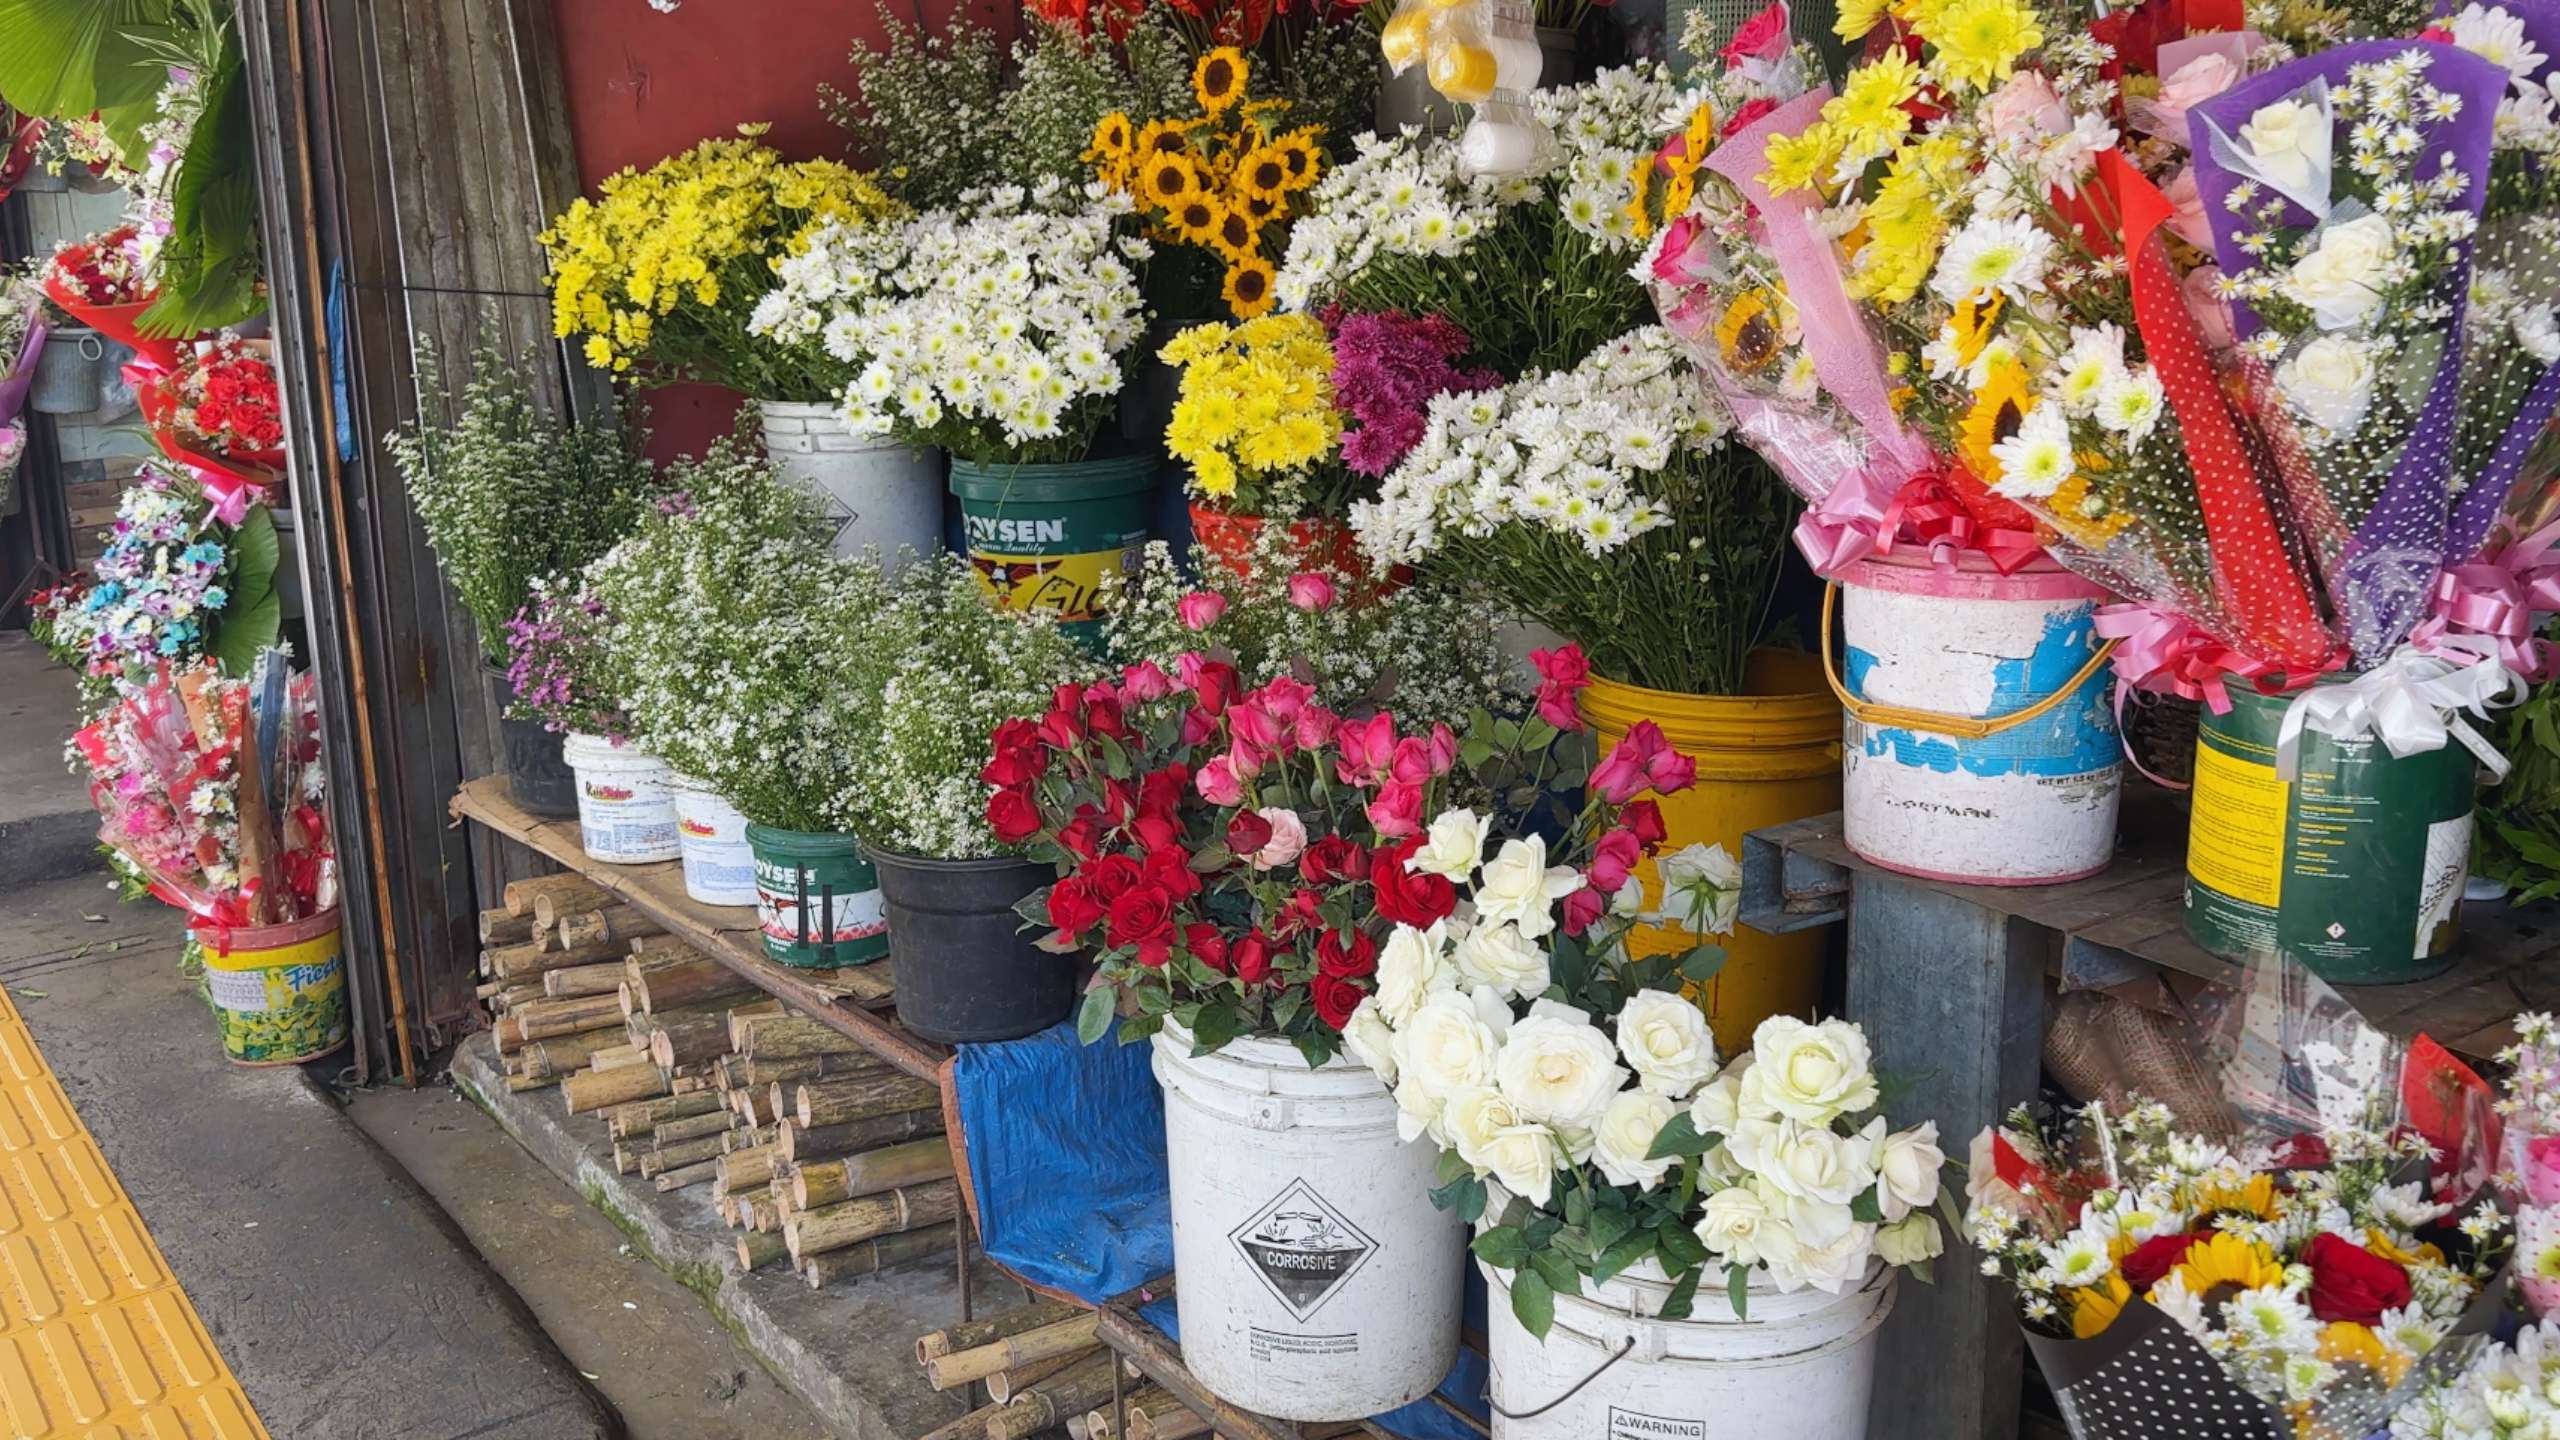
point(2225, 1263)
point(1974, 320)
point(1112, 136)
point(2095, 1307)
point(1261, 209)
point(2255, 1199)
point(1238, 238)
point(1747, 334)
point(1304, 154)
point(1248, 288)
point(1999, 408)
point(1263, 171)
point(1168, 178)
point(1159, 137)
point(1196, 219)
point(1217, 80)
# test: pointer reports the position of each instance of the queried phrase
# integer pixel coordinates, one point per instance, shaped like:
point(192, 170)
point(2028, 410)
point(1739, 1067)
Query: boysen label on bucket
point(844, 922)
point(2355, 866)
point(1044, 537)
point(1060, 585)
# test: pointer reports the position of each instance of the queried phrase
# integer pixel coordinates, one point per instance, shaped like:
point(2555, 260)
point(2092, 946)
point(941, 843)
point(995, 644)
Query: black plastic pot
point(966, 969)
point(537, 776)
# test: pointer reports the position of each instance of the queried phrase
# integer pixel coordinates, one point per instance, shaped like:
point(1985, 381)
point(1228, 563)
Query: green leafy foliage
point(66, 58)
point(210, 266)
point(254, 617)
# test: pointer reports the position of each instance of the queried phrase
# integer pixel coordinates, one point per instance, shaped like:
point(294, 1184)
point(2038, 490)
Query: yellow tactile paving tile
point(97, 1341)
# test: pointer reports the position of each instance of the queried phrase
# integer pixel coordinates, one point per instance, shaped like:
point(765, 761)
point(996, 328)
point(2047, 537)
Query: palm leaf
point(62, 59)
point(210, 263)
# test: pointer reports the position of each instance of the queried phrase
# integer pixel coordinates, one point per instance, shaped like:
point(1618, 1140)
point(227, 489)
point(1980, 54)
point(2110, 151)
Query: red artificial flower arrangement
point(226, 402)
point(1236, 858)
point(100, 282)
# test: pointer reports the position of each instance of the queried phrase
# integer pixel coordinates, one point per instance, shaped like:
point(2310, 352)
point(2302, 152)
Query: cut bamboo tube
point(663, 945)
point(616, 1056)
point(626, 1158)
point(873, 1256)
point(1006, 1384)
point(617, 923)
point(833, 1102)
point(1152, 1401)
point(521, 894)
point(820, 1142)
point(971, 1334)
point(497, 927)
point(507, 995)
point(600, 979)
point(711, 1124)
point(678, 1155)
point(543, 1019)
point(752, 1136)
point(643, 1116)
point(690, 1085)
point(764, 1214)
point(690, 1175)
point(524, 962)
point(757, 1251)
point(1176, 1421)
point(836, 1226)
point(550, 907)
point(787, 1037)
point(595, 1089)
point(960, 1367)
point(692, 1037)
point(519, 1084)
point(692, 980)
point(972, 1426)
point(563, 1055)
point(1071, 1392)
point(741, 1169)
point(755, 1073)
point(824, 1182)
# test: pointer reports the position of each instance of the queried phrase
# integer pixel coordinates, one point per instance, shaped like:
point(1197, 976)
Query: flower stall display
point(511, 497)
point(1222, 182)
point(100, 282)
point(1318, 59)
point(1002, 335)
point(174, 584)
point(733, 627)
point(946, 669)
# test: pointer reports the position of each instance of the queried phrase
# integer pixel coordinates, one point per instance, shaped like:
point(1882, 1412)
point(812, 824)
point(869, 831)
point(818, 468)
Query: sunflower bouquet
point(663, 270)
point(1224, 182)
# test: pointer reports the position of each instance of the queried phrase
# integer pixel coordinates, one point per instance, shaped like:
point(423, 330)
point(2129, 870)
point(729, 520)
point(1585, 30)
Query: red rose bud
point(2349, 1282)
point(1332, 860)
point(1013, 816)
point(1314, 727)
point(1169, 870)
point(1109, 877)
point(2151, 1261)
point(1397, 811)
point(1406, 898)
point(1256, 726)
point(1351, 959)
point(1102, 715)
point(1248, 832)
point(1143, 916)
point(1645, 818)
point(1061, 730)
point(1145, 681)
point(1072, 907)
point(1119, 802)
point(1298, 914)
point(1155, 832)
point(1335, 999)
point(1079, 839)
point(1613, 858)
point(1250, 958)
point(1206, 945)
point(1582, 910)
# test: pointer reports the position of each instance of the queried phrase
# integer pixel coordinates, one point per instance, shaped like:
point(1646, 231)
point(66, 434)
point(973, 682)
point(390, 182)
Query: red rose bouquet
point(101, 283)
point(1237, 859)
point(217, 407)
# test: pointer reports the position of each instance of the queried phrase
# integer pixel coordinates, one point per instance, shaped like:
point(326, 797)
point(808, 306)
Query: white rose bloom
point(1717, 1107)
point(1913, 1240)
point(1809, 1073)
point(1498, 958)
point(1417, 1112)
point(1702, 881)
point(1805, 1162)
point(1744, 1229)
point(1371, 1040)
point(2329, 381)
point(1832, 1248)
point(1410, 966)
point(2289, 141)
point(1664, 1036)
point(2341, 281)
point(1558, 1067)
point(1626, 1131)
point(1445, 1048)
point(1453, 846)
point(1524, 1158)
point(1908, 1166)
point(1471, 1118)
point(1519, 887)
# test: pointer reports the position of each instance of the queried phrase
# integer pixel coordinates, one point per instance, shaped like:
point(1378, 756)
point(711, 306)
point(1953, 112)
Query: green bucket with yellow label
point(2354, 866)
point(279, 992)
point(817, 899)
point(1043, 537)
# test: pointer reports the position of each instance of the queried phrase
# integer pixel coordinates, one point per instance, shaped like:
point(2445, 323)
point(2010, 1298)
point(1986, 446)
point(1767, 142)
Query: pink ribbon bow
point(2167, 655)
point(2501, 596)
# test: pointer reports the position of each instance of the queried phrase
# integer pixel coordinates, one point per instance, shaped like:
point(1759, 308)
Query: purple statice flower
point(1386, 367)
point(555, 656)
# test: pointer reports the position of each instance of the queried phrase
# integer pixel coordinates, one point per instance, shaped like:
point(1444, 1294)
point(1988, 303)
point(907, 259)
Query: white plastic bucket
point(719, 868)
point(1318, 1280)
point(876, 492)
point(2034, 804)
point(1801, 1366)
point(626, 807)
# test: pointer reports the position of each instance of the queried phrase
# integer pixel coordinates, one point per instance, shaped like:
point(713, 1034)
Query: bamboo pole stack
point(1044, 1367)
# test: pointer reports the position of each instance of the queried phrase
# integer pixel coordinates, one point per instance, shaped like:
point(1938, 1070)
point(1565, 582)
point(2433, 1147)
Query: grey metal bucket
point(71, 374)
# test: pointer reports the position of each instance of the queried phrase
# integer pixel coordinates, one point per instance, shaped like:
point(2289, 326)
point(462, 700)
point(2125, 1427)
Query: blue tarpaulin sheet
point(1066, 1156)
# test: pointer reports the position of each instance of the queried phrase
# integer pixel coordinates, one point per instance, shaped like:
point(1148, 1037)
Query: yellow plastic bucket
point(1764, 759)
point(278, 991)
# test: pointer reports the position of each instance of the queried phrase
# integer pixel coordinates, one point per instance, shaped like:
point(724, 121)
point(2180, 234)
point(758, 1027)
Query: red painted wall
point(643, 85)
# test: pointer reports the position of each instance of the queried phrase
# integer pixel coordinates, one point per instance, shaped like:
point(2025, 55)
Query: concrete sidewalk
point(344, 1298)
point(47, 830)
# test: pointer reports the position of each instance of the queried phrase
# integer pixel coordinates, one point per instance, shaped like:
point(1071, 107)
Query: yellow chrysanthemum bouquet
point(1224, 182)
point(663, 270)
point(1256, 419)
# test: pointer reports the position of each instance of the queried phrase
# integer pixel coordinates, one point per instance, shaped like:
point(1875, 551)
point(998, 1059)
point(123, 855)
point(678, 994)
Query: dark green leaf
point(1533, 1302)
point(1577, 1207)
point(1737, 1289)
point(1609, 1226)
point(1558, 1271)
point(1093, 1018)
point(1139, 1028)
point(1679, 1136)
point(1678, 1245)
point(1627, 1251)
point(1701, 963)
point(1683, 1297)
point(1471, 1200)
point(1867, 1209)
point(1219, 1023)
point(1502, 1247)
point(61, 59)
point(245, 632)
point(1452, 1165)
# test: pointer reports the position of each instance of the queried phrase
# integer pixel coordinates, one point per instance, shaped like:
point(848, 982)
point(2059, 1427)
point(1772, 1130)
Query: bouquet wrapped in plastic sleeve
point(2293, 1266)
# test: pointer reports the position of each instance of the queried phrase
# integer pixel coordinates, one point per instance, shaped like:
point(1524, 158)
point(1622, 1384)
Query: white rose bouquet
point(1542, 1059)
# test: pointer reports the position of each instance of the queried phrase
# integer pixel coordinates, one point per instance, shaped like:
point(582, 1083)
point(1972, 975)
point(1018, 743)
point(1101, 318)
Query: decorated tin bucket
point(279, 992)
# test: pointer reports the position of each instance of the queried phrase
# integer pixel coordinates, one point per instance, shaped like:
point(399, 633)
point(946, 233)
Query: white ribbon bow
point(2413, 702)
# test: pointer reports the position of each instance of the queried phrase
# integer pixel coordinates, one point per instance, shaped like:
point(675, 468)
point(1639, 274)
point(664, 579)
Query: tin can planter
point(538, 776)
point(1764, 759)
point(279, 992)
point(817, 899)
point(711, 839)
point(1978, 743)
point(2355, 866)
point(1319, 1281)
point(966, 969)
point(626, 801)
point(1042, 537)
point(70, 373)
point(876, 493)
point(1802, 1365)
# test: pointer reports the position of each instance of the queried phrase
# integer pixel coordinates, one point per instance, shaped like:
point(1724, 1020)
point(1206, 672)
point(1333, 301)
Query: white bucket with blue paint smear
point(1979, 746)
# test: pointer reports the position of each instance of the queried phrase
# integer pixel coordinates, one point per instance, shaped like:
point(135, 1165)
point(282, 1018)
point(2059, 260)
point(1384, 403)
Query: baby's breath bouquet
point(948, 668)
point(663, 269)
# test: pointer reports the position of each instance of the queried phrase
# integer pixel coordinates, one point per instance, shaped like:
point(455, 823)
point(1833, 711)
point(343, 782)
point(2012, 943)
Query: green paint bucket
point(817, 899)
point(2354, 867)
point(1042, 537)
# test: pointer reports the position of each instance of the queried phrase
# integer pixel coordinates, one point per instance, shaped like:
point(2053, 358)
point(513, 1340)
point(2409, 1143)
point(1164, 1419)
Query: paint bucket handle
point(1623, 1352)
point(1963, 727)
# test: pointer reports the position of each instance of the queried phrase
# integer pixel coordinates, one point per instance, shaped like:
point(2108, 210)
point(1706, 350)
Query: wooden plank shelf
point(857, 1003)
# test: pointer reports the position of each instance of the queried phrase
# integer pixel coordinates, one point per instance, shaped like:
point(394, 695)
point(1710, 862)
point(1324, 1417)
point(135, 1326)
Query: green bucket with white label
point(1044, 537)
point(2355, 866)
point(817, 899)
